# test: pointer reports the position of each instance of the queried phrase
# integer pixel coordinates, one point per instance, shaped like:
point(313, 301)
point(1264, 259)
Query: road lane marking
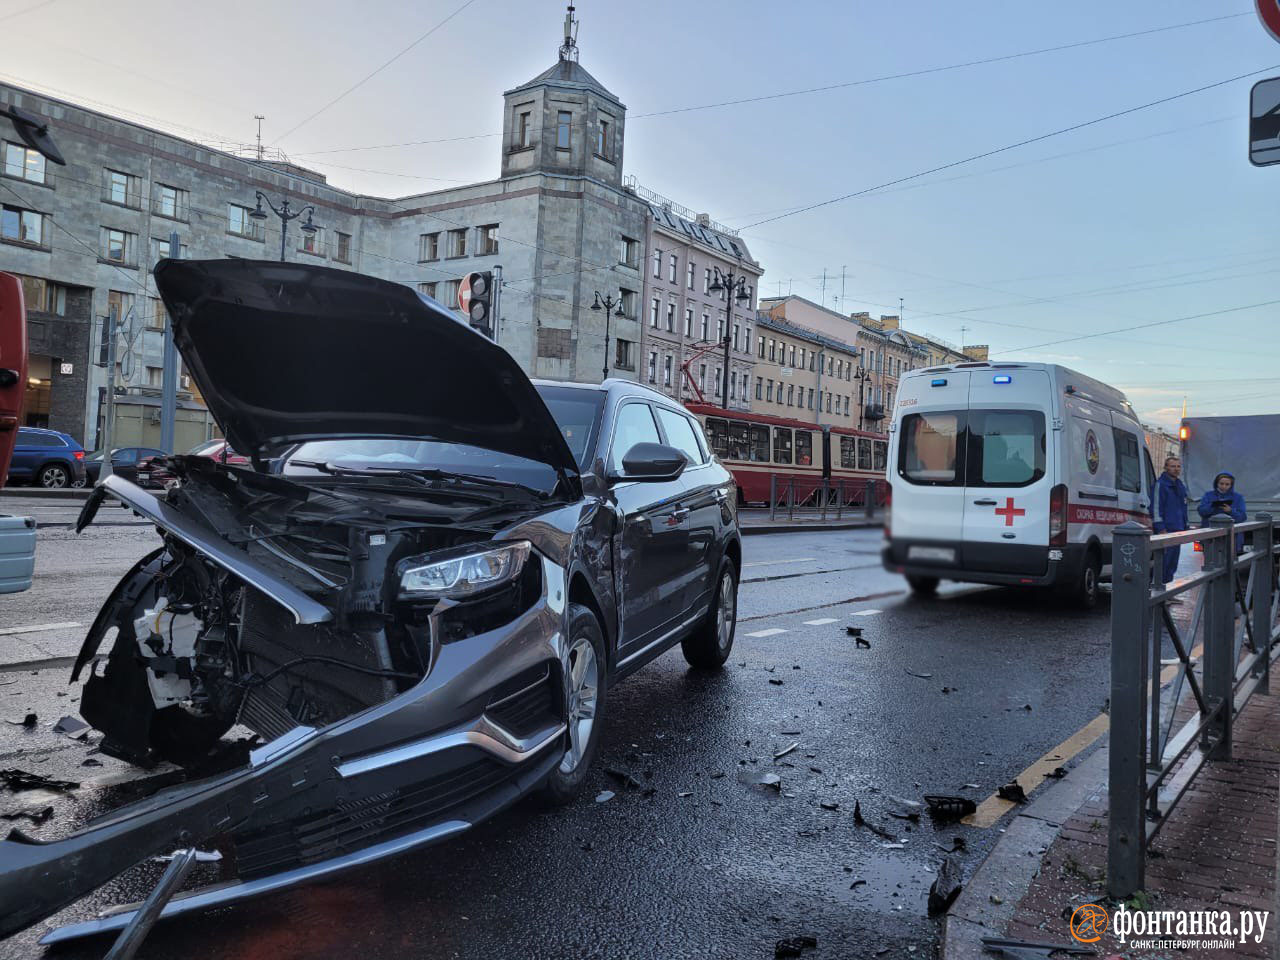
point(995, 807)
point(820, 622)
point(865, 613)
point(36, 628)
point(769, 563)
point(772, 631)
point(822, 606)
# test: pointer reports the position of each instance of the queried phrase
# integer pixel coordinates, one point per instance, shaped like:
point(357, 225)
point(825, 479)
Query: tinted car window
point(1006, 448)
point(1128, 464)
point(634, 425)
point(577, 414)
point(127, 456)
point(39, 439)
point(680, 434)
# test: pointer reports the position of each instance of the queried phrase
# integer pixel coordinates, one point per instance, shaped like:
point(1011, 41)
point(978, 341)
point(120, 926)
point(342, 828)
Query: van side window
point(930, 450)
point(1128, 461)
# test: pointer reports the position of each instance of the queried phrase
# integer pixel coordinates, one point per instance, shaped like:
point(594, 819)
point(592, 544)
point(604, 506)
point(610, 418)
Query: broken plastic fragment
point(72, 727)
point(17, 780)
point(604, 796)
point(624, 779)
point(794, 946)
point(906, 809)
point(828, 805)
point(785, 750)
point(1012, 791)
point(946, 887)
point(944, 808)
point(27, 723)
point(922, 676)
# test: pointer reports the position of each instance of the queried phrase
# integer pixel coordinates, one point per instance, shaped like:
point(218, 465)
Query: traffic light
point(475, 299)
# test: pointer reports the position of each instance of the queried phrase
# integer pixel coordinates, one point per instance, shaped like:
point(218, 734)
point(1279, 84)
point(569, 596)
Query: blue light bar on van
point(939, 382)
point(1002, 378)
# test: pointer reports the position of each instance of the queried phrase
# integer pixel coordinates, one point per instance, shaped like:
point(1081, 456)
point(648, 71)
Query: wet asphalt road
point(710, 865)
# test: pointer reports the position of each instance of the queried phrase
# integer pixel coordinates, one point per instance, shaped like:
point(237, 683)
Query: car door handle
point(681, 513)
point(984, 503)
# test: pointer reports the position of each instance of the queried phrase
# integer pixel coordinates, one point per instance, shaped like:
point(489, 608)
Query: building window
point(161, 249)
point(428, 247)
point(791, 352)
point(671, 318)
point(653, 367)
point(688, 322)
point(342, 249)
point(630, 253)
point(768, 390)
point(449, 294)
point(737, 336)
point(24, 163)
point(706, 326)
point(654, 307)
point(702, 377)
point(171, 202)
point(671, 269)
point(720, 329)
point(811, 398)
point(746, 380)
point(760, 347)
point(802, 358)
point(119, 306)
point(624, 357)
point(240, 224)
point(24, 226)
point(692, 269)
point(428, 289)
point(118, 246)
point(628, 299)
point(155, 319)
point(43, 296)
point(759, 387)
point(706, 280)
point(666, 370)
point(733, 388)
point(846, 406)
point(791, 394)
point(488, 237)
point(119, 187)
point(458, 243)
point(564, 120)
point(773, 350)
point(657, 264)
point(312, 242)
point(524, 127)
point(602, 139)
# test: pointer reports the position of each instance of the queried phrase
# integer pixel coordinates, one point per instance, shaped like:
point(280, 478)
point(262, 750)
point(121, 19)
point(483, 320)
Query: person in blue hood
point(1224, 500)
point(1169, 514)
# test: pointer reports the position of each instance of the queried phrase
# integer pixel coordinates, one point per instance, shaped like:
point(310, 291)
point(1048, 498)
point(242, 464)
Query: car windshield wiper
point(430, 477)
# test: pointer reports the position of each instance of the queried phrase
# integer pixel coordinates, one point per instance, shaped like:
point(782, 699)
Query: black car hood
point(284, 353)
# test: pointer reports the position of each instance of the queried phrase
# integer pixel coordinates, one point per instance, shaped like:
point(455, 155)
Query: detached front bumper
point(483, 728)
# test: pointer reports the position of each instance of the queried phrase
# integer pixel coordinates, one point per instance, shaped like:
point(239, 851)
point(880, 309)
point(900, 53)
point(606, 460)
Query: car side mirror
point(652, 463)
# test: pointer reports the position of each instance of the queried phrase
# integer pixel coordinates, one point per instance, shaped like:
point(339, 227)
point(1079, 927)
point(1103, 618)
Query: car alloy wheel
point(726, 611)
point(54, 478)
point(583, 676)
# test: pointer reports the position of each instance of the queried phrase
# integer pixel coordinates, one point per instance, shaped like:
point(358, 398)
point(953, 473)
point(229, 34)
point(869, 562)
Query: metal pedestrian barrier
point(823, 498)
point(1171, 715)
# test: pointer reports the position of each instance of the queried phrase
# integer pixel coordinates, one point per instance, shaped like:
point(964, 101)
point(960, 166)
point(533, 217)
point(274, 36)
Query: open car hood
point(284, 353)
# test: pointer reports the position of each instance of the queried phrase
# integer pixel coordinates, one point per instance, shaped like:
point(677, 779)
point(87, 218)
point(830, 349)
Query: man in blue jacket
point(1224, 500)
point(1170, 511)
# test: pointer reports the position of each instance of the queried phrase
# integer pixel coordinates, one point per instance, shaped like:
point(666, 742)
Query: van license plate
point(936, 554)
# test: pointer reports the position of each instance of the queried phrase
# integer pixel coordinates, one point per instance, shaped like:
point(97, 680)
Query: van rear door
point(1009, 472)
point(928, 467)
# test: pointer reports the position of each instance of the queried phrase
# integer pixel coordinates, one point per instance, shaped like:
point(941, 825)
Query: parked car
point(1012, 473)
point(154, 471)
point(124, 462)
point(46, 458)
point(421, 614)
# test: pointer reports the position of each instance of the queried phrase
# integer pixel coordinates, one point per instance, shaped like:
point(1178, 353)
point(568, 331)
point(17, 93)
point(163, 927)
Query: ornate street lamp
point(285, 216)
point(607, 304)
point(736, 284)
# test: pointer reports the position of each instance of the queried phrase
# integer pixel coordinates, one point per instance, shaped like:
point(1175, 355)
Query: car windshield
point(577, 414)
point(202, 448)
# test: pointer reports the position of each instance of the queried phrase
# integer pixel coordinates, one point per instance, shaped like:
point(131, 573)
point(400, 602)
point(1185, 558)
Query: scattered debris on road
point(775, 681)
point(794, 946)
point(828, 805)
point(921, 676)
point(1012, 791)
point(785, 750)
point(27, 723)
point(944, 809)
point(72, 727)
point(37, 812)
point(1031, 949)
point(859, 882)
point(905, 809)
point(604, 796)
point(17, 780)
point(860, 821)
point(1057, 773)
point(946, 887)
point(623, 778)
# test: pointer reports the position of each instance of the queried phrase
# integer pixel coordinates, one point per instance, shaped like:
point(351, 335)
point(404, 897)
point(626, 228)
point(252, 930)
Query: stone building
point(86, 236)
point(684, 320)
point(805, 375)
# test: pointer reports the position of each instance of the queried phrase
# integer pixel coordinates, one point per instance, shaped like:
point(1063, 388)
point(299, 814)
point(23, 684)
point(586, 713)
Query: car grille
point(528, 702)
point(355, 824)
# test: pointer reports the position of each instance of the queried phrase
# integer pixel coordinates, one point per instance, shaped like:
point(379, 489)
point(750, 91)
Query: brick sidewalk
point(1217, 852)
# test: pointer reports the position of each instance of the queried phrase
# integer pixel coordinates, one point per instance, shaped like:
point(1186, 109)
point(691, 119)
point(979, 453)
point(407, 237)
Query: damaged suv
point(411, 603)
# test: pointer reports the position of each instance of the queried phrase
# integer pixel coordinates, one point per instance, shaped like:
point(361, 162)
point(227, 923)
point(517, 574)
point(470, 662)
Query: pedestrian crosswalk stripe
point(766, 633)
point(864, 613)
point(821, 621)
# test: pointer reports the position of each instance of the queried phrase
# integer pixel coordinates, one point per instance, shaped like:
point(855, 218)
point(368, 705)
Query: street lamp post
point(862, 376)
point(735, 284)
point(285, 216)
point(607, 304)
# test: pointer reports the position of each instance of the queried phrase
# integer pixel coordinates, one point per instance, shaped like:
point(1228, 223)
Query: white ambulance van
point(1012, 473)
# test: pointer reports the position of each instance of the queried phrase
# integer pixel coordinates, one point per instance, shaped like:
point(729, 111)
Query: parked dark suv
point(420, 611)
point(47, 458)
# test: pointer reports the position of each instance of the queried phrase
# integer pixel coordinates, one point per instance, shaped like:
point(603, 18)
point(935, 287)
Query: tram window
point(849, 453)
point(718, 433)
point(881, 451)
point(739, 440)
point(864, 453)
point(781, 445)
point(804, 448)
point(759, 444)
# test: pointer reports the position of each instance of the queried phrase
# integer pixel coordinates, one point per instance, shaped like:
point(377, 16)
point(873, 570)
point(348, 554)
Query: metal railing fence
point(1170, 716)
point(825, 498)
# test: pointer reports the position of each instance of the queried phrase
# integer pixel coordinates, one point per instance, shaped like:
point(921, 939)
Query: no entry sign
point(1269, 14)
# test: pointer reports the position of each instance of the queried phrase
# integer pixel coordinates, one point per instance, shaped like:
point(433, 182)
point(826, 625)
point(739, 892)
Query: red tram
point(808, 461)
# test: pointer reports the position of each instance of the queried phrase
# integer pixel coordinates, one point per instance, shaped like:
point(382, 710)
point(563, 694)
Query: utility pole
point(824, 286)
point(735, 286)
point(496, 303)
point(108, 427)
point(259, 117)
point(169, 391)
point(842, 270)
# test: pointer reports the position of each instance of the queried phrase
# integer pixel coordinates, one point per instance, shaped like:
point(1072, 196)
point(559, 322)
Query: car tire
point(584, 659)
point(1083, 591)
point(81, 483)
point(711, 641)
point(922, 586)
point(53, 476)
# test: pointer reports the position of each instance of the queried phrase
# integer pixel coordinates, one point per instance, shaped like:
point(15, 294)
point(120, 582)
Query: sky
point(1054, 250)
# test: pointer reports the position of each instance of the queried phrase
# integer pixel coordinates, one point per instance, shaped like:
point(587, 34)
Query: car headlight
point(463, 573)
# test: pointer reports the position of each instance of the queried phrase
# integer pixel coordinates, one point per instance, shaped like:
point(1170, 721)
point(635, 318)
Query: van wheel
point(922, 586)
point(709, 645)
point(587, 685)
point(1084, 591)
